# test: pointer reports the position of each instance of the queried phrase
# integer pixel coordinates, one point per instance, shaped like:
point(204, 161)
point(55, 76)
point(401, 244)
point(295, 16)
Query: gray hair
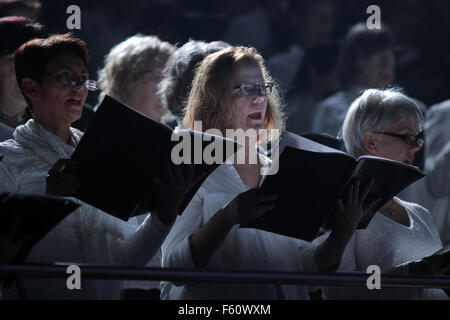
point(375, 110)
point(127, 63)
point(179, 72)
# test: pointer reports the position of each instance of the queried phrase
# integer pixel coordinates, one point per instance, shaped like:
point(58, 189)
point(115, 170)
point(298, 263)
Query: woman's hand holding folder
point(62, 178)
point(350, 211)
point(248, 206)
point(354, 208)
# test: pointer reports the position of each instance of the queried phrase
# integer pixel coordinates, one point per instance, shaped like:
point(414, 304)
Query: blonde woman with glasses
point(232, 90)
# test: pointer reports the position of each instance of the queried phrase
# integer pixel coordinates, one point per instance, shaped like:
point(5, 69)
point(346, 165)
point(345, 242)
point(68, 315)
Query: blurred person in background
point(132, 71)
point(174, 88)
point(14, 31)
point(31, 9)
point(316, 79)
point(437, 165)
point(366, 60)
point(312, 24)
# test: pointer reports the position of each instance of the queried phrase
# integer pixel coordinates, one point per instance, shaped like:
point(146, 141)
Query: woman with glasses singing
point(232, 90)
point(388, 124)
point(52, 74)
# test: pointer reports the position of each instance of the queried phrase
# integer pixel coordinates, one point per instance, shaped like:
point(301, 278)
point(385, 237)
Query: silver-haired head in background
point(132, 71)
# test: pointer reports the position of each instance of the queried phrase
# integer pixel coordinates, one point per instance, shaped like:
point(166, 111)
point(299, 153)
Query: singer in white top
point(52, 74)
point(401, 238)
point(232, 90)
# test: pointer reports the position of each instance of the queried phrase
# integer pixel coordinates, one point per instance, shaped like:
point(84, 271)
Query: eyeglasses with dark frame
point(411, 140)
point(249, 90)
point(73, 80)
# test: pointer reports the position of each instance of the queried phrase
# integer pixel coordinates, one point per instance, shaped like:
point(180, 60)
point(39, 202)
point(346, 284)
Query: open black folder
point(123, 151)
point(325, 139)
point(33, 215)
point(311, 178)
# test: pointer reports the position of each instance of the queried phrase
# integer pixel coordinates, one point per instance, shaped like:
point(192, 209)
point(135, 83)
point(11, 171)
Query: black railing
point(255, 277)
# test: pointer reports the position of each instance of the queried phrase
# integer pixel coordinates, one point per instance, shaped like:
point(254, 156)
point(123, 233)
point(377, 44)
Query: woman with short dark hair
point(53, 76)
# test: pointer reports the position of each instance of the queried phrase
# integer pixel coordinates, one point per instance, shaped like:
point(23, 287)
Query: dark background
point(422, 29)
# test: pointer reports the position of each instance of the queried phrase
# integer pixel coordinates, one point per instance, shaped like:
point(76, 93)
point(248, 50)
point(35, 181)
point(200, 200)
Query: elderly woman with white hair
point(388, 124)
point(132, 71)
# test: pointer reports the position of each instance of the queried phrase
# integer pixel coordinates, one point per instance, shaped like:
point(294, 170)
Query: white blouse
point(242, 250)
point(387, 244)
